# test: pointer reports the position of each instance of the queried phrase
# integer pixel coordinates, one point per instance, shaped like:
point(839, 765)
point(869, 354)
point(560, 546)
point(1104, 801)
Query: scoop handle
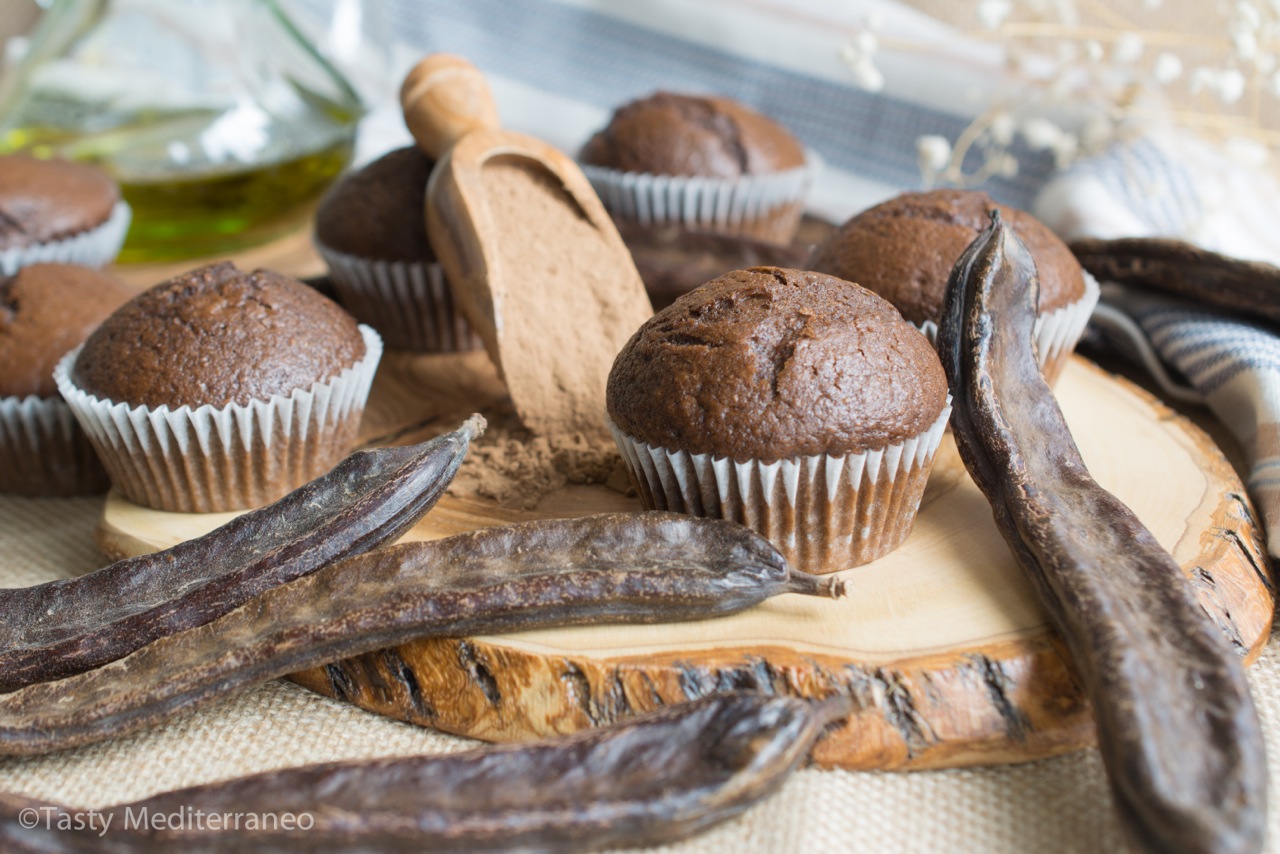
point(444, 97)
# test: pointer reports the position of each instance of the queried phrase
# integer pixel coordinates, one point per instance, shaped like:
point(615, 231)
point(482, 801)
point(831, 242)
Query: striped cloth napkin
point(1178, 188)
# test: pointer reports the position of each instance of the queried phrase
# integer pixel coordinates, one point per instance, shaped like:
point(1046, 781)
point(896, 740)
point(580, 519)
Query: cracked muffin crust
point(797, 404)
point(673, 134)
point(47, 310)
point(217, 335)
point(47, 200)
point(702, 163)
point(770, 363)
point(904, 249)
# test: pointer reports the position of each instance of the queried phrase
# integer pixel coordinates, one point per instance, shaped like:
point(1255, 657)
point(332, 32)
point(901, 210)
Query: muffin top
point(377, 212)
point(904, 249)
point(770, 363)
point(672, 134)
point(46, 310)
point(46, 200)
point(217, 336)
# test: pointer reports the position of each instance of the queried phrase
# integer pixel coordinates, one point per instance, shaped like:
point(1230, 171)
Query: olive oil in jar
point(204, 215)
point(221, 124)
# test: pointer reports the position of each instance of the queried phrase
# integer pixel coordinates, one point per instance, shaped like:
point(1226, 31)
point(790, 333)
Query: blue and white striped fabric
point(558, 68)
point(1161, 189)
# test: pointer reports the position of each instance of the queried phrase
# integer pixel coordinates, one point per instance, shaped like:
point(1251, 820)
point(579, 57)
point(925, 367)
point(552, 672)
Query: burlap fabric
point(1055, 805)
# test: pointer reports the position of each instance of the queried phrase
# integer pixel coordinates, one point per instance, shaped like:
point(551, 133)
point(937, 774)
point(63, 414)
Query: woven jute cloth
point(1061, 804)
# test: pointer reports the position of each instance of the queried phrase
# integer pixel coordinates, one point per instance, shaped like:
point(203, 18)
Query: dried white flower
point(1007, 165)
point(1041, 133)
point(1247, 16)
point(1168, 68)
point(933, 153)
point(1065, 150)
point(1246, 45)
point(1273, 85)
point(1093, 50)
point(1128, 48)
point(866, 75)
point(866, 43)
point(1229, 85)
point(1002, 129)
point(992, 13)
point(1202, 78)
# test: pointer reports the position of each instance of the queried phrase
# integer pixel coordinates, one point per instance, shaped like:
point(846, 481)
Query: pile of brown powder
point(512, 466)
point(565, 297)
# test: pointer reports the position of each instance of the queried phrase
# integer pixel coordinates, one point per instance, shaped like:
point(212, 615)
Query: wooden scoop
point(533, 259)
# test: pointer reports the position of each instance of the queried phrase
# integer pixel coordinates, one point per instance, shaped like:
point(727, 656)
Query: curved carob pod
point(1177, 729)
point(61, 628)
point(653, 779)
point(1250, 288)
point(629, 567)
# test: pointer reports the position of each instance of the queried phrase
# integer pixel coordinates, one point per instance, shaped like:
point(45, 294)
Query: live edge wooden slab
point(940, 642)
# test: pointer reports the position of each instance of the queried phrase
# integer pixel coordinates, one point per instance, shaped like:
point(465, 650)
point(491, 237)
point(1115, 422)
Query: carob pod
point(629, 567)
point(1177, 729)
point(1249, 287)
point(54, 630)
point(650, 780)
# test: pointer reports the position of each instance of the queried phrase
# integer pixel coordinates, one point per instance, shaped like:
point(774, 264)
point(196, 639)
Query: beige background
point(1054, 805)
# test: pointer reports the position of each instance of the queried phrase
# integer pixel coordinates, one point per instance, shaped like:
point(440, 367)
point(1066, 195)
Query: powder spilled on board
point(512, 466)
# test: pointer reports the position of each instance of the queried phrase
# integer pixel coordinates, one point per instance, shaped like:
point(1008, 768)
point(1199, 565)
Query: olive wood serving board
point(941, 642)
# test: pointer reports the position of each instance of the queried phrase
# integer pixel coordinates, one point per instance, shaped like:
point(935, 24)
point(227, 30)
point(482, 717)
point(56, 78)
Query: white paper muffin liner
point(207, 460)
point(43, 451)
point(767, 207)
point(95, 248)
point(824, 512)
point(409, 303)
point(1056, 333)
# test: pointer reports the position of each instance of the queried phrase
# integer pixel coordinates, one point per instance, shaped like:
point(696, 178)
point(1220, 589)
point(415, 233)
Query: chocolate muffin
point(55, 210)
point(672, 134)
point(796, 403)
point(216, 336)
point(904, 249)
point(379, 211)
point(45, 311)
point(708, 163)
point(371, 229)
point(220, 390)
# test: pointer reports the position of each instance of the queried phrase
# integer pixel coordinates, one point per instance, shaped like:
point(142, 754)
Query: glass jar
point(221, 122)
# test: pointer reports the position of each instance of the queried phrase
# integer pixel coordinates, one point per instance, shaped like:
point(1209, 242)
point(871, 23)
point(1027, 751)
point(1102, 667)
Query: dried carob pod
point(630, 567)
point(54, 630)
point(1177, 729)
point(1249, 287)
point(649, 780)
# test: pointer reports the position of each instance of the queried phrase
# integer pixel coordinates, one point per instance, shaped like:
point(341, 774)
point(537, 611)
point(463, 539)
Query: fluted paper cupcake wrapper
point(207, 460)
point(97, 247)
point(767, 207)
point(409, 303)
point(824, 512)
point(43, 451)
point(1056, 333)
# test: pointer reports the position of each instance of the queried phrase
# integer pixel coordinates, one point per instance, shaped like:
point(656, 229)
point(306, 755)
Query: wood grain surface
point(941, 642)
